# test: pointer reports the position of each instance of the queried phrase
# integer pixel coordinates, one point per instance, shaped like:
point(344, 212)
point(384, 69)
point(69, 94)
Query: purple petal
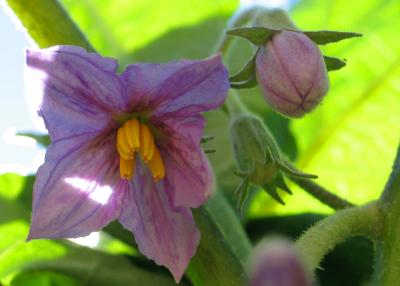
point(163, 233)
point(189, 174)
point(77, 190)
point(77, 87)
point(181, 88)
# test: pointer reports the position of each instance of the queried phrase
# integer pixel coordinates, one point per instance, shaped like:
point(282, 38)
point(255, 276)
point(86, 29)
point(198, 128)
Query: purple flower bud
point(276, 263)
point(292, 73)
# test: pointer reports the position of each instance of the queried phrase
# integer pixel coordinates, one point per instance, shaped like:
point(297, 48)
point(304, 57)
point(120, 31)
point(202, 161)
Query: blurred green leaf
point(47, 23)
point(42, 278)
point(41, 139)
point(349, 141)
point(78, 263)
point(119, 28)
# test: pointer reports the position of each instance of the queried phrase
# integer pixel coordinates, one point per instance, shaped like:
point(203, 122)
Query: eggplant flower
point(124, 147)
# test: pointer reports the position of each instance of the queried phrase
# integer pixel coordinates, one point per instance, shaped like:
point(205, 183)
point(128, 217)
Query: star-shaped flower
point(126, 147)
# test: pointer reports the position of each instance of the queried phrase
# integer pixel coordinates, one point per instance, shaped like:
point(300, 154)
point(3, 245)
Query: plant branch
point(322, 194)
point(48, 24)
point(321, 238)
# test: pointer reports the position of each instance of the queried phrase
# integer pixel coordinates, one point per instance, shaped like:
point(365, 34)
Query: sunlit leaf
point(117, 27)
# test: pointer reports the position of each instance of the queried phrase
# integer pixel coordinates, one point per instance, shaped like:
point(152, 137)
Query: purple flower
point(276, 262)
point(126, 147)
point(292, 73)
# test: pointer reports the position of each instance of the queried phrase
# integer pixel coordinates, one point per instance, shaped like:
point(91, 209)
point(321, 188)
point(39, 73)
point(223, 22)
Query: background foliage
point(349, 141)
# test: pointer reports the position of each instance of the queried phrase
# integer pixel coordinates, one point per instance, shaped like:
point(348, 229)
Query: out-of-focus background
point(349, 141)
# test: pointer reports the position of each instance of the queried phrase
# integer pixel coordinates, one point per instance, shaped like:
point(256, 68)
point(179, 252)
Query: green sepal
point(242, 192)
point(251, 82)
point(333, 63)
point(326, 37)
point(256, 35)
point(206, 139)
point(247, 72)
point(290, 171)
point(270, 188)
point(280, 183)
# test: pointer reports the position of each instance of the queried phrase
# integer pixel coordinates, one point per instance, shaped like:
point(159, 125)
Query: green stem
point(240, 18)
point(224, 246)
point(387, 257)
point(322, 194)
point(48, 24)
point(320, 239)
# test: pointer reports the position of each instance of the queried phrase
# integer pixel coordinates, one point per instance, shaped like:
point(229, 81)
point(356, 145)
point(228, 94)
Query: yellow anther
point(128, 139)
point(134, 137)
point(146, 143)
point(132, 133)
point(156, 165)
point(127, 168)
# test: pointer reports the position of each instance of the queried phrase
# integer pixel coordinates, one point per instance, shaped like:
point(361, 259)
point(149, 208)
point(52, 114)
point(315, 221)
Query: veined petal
point(189, 174)
point(79, 90)
point(163, 233)
point(77, 190)
point(181, 88)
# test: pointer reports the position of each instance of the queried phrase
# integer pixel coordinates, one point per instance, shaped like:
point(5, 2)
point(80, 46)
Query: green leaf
point(41, 139)
point(333, 64)
point(47, 23)
point(123, 28)
point(257, 35)
point(326, 37)
point(42, 278)
point(75, 262)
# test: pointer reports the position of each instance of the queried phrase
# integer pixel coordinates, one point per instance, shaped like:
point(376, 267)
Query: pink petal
point(80, 90)
point(189, 174)
point(181, 88)
point(77, 190)
point(164, 233)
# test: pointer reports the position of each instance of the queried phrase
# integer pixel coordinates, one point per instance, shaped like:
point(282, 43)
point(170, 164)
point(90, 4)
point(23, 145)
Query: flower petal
point(77, 87)
point(181, 88)
point(189, 174)
point(76, 190)
point(163, 233)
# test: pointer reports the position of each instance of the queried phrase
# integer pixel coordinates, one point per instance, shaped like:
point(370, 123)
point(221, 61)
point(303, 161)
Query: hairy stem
point(322, 194)
point(387, 257)
point(321, 238)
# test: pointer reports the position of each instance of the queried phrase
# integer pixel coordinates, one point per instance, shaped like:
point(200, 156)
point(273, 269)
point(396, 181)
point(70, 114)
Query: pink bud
point(277, 263)
point(292, 74)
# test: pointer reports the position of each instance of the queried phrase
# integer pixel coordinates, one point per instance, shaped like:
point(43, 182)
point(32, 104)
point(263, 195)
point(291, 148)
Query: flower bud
point(254, 149)
point(292, 73)
point(276, 263)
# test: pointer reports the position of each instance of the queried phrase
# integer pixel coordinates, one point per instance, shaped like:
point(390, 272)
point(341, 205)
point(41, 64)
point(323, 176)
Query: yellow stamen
point(132, 133)
point(135, 137)
point(127, 168)
point(146, 143)
point(128, 139)
point(156, 165)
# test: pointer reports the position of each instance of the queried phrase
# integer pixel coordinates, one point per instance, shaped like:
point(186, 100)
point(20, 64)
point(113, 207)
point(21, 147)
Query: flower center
point(135, 137)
